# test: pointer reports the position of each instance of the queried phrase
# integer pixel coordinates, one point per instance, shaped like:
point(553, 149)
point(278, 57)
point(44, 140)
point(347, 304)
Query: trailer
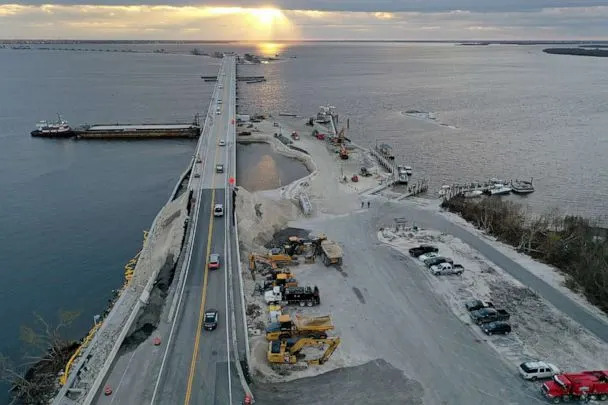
point(303, 296)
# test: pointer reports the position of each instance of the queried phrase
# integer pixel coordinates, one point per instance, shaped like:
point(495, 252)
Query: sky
point(306, 19)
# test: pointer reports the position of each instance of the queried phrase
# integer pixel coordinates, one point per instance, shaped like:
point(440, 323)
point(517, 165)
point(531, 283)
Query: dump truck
point(303, 326)
point(592, 385)
point(288, 351)
point(303, 296)
point(331, 252)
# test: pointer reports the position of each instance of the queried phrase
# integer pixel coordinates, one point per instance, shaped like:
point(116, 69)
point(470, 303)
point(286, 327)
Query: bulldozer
point(304, 326)
point(281, 280)
point(288, 351)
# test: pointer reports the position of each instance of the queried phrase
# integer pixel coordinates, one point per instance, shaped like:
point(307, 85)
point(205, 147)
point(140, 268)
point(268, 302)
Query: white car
point(219, 101)
point(218, 210)
point(534, 370)
point(429, 255)
point(222, 143)
point(446, 269)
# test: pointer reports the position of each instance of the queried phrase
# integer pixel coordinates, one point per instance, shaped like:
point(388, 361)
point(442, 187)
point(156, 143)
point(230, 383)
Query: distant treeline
point(577, 51)
point(570, 243)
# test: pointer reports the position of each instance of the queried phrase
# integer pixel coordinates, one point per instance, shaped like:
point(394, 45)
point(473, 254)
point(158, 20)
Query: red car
point(214, 261)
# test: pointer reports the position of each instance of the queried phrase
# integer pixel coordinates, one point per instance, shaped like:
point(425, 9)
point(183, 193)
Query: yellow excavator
point(272, 260)
point(288, 351)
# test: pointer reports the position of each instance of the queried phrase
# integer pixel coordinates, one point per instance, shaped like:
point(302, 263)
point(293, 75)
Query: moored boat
point(408, 170)
point(522, 186)
point(402, 176)
point(498, 189)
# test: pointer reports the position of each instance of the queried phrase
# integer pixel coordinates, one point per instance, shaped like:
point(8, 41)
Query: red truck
point(575, 386)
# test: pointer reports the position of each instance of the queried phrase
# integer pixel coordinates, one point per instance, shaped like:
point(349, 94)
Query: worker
point(368, 204)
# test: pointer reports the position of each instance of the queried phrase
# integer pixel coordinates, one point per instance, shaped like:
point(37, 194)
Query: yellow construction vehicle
point(256, 260)
point(331, 252)
point(282, 280)
point(311, 327)
point(343, 152)
point(288, 351)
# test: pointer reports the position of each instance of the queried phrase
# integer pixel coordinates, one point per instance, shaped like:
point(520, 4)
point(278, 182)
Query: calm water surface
point(72, 213)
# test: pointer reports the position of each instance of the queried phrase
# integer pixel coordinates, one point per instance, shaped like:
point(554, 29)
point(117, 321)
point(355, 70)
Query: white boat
point(408, 170)
point(472, 194)
point(498, 189)
point(402, 176)
point(445, 189)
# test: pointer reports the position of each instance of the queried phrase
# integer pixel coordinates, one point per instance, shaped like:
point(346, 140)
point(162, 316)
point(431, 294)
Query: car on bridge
point(219, 168)
point(218, 210)
point(222, 143)
point(214, 261)
point(211, 319)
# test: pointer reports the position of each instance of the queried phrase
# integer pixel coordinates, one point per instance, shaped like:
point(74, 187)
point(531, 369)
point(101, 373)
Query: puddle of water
point(258, 167)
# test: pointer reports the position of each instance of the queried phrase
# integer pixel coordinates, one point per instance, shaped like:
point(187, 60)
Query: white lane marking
point(170, 339)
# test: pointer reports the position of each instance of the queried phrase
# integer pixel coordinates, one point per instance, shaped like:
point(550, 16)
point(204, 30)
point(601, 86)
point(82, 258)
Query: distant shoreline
point(602, 53)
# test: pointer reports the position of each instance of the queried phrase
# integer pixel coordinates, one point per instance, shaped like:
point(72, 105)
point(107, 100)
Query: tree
point(47, 352)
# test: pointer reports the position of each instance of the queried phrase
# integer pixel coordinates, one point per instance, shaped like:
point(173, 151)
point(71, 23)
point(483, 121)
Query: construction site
point(337, 312)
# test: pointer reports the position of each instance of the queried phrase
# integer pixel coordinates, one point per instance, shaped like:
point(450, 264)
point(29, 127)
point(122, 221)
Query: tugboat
point(57, 129)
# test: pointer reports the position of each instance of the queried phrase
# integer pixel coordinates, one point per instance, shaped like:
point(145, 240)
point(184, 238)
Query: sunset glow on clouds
point(142, 21)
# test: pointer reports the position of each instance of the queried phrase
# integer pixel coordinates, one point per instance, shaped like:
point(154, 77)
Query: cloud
point(359, 5)
point(229, 23)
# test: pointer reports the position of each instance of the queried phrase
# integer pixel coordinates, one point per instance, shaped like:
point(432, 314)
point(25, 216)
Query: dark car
point(422, 249)
point(219, 168)
point(496, 328)
point(485, 315)
point(211, 318)
point(437, 260)
point(474, 305)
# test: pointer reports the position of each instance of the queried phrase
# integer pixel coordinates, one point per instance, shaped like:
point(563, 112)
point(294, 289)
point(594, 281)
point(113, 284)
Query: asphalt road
point(384, 307)
point(194, 366)
point(428, 219)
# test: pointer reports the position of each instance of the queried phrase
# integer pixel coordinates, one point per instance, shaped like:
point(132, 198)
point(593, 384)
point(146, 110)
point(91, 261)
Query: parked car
point(485, 315)
point(437, 260)
point(218, 210)
point(535, 370)
point(211, 319)
point(496, 328)
point(219, 168)
point(428, 255)
point(214, 261)
point(474, 305)
point(445, 268)
point(422, 249)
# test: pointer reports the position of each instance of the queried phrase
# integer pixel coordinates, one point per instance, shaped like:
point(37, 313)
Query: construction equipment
point(305, 326)
point(281, 280)
point(365, 172)
point(288, 351)
point(343, 152)
point(274, 312)
point(341, 137)
point(303, 296)
point(271, 260)
point(331, 252)
point(258, 262)
point(318, 135)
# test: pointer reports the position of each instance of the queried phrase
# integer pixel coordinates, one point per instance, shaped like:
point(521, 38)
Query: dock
point(137, 131)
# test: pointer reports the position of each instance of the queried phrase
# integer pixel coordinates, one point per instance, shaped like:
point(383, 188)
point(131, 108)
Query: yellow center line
point(204, 287)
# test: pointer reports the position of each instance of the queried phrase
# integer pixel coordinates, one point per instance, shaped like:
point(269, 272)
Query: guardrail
point(92, 390)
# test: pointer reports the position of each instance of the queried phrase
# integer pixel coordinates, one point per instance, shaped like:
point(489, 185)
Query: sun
point(266, 16)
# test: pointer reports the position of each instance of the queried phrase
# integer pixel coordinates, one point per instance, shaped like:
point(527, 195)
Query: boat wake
point(426, 116)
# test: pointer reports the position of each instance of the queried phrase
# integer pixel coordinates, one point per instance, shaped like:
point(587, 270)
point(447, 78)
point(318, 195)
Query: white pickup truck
point(442, 269)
